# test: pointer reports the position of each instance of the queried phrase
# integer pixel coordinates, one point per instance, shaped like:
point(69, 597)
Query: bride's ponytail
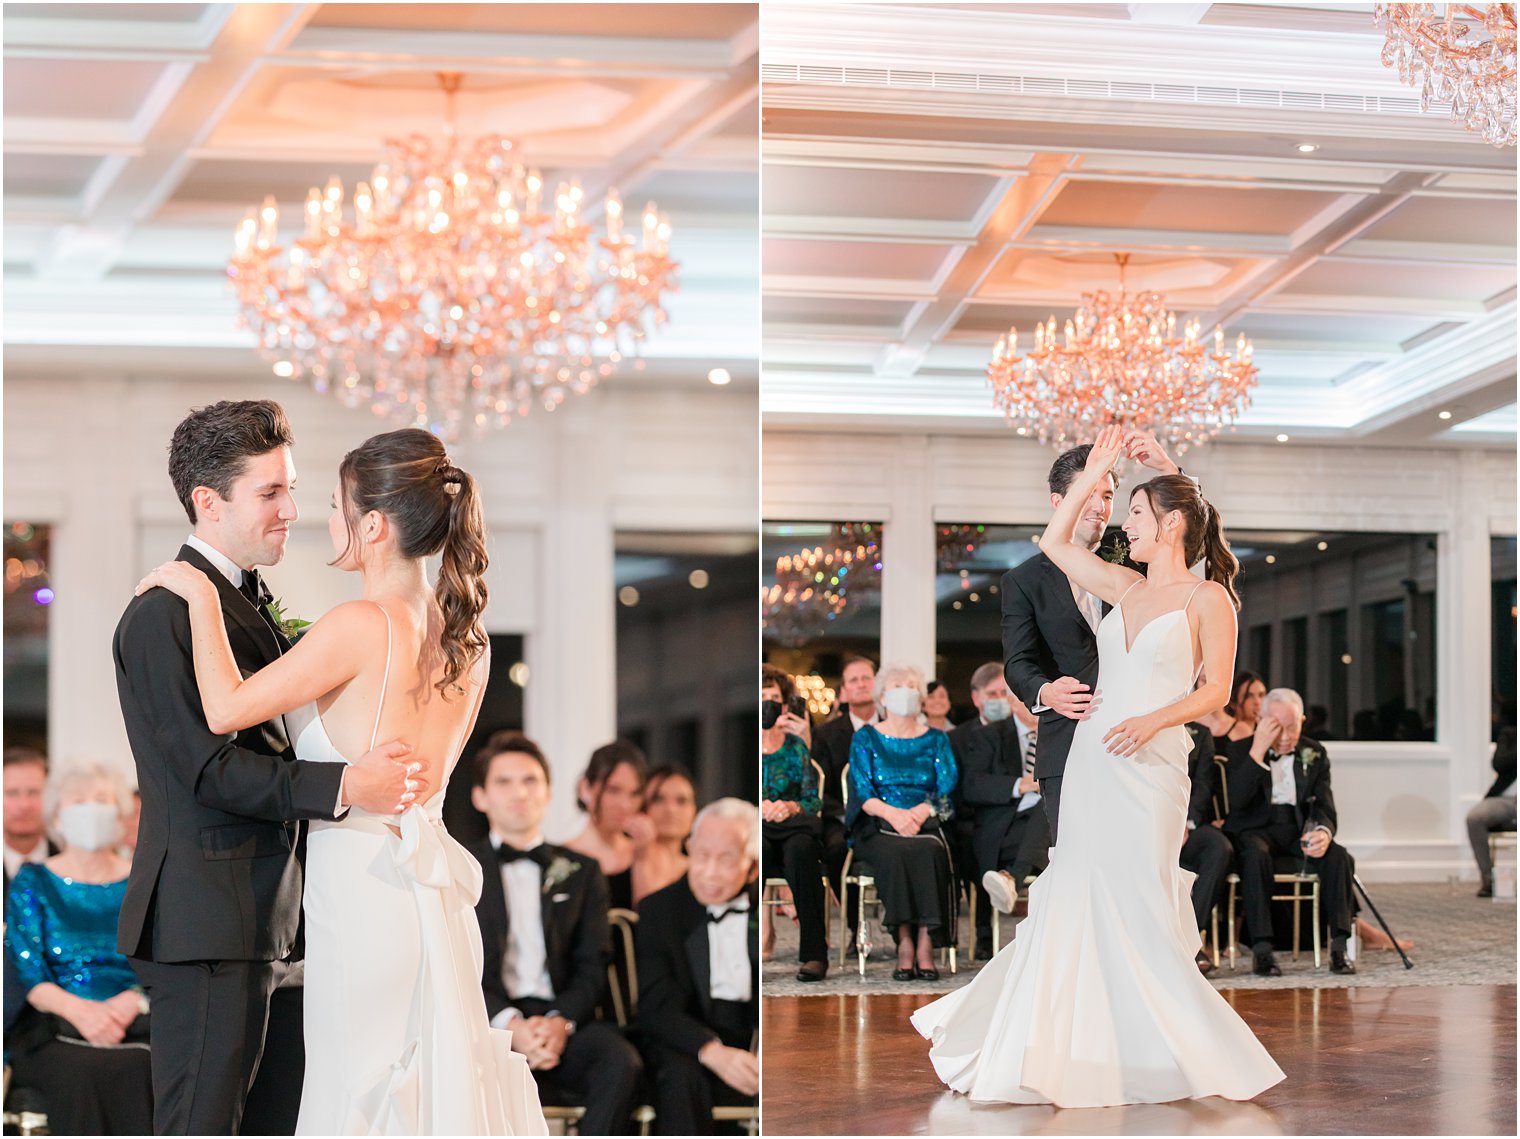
point(461, 589)
point(1220, 563)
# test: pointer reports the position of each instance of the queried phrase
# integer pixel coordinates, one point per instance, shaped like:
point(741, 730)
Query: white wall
point(87, 454)
point(1401, 805)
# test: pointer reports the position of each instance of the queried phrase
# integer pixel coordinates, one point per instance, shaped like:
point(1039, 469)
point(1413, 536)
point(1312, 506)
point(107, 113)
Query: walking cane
point(1357, 882)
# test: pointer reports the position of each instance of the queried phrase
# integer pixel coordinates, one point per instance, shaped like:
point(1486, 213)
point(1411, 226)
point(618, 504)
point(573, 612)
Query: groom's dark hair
point(212, 445)
point(1066, 468)
point(500, 743)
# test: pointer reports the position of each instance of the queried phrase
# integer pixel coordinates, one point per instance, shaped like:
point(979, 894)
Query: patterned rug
point(1458, 939)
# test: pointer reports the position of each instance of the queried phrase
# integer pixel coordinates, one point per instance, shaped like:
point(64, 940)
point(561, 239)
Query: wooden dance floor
point(1360, 1061)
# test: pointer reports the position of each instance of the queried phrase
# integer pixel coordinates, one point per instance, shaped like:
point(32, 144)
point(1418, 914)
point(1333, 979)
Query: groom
point(212, 909)
point(1050, 624)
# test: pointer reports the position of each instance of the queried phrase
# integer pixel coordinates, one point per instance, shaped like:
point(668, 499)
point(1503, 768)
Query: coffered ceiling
point(933, 174)
point(136, 136)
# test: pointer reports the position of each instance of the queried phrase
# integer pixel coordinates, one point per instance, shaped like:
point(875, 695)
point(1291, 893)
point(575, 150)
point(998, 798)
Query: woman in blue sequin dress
point(82, 1042)
point(901, 777)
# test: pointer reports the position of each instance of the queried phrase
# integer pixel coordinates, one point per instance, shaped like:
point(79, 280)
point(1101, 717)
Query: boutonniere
point(1307, 755)
point(558, 870)
point(290, 626)
point(1117, 553)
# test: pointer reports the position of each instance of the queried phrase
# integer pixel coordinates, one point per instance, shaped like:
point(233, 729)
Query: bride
point(397, 1039)
point(1097, 1001)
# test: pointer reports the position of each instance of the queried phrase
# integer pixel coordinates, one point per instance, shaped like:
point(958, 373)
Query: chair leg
point(1297, 915)
point(1214, 933)
point(971, 949)
point(1230, 924)
point(997, 931)
point(1315, 904)
point(860, 925)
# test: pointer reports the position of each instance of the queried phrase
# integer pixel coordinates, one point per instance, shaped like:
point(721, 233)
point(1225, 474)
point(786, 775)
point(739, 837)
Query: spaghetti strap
point(1192, 591)
point(1127, 592)
point(384, 680)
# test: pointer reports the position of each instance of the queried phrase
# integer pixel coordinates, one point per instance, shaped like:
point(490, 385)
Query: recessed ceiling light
point(1443, 415)
point(1307, 147)
point(1282, 438)
point(1271, 559)
point(719, 376)
point(1324, 545)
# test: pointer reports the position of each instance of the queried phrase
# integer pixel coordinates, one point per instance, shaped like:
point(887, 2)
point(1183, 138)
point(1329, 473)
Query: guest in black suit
point(1205, 849)
point(1012, 835)
point(1050, 647)
point(1495, 812)
point(26, 840)
point(543, 924)
point(1281, 806)
point(831, 748)
point(699, 978)
point(212, 910)
point(990, 696)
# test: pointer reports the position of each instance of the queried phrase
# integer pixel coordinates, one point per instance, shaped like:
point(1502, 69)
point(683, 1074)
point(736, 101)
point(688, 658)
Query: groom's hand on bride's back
point(384, 780)
point(1068, 696)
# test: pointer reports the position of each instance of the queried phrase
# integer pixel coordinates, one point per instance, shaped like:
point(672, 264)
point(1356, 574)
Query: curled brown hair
point(770, 674)
point(212, 445)
point(1202, 531)
point(407, 476)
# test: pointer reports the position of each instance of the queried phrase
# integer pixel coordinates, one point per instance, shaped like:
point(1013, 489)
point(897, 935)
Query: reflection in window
point(1502, 559)
point(28, 596)
point(820, 600)
point(686, 673)
point(972, 560)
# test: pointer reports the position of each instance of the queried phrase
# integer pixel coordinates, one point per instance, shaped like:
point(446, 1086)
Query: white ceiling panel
point(77, 89)
point(832, 191)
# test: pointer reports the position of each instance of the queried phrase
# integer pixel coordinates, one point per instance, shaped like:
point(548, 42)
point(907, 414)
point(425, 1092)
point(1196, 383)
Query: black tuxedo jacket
point(1203, 773)
point(831, 748)
point(960, 739)
point(216, 875)
point(576, 938)
point(1504, 763)
point(1045, 637)
point(1250, 788)
point(675, 975)
point(989, 779)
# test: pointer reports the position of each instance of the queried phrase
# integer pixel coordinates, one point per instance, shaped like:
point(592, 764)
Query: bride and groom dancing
point(241, 740)
point(1098, 1000)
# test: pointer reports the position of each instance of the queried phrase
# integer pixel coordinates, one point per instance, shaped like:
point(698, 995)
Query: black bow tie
point(506, 852)
point(737, 908)
point(254, 589)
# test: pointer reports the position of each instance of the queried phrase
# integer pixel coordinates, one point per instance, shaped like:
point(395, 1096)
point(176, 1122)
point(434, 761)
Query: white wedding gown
point(397, 1038)
point(1098, 1001)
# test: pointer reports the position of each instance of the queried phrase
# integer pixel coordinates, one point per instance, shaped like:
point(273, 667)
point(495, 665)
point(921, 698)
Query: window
point(972, 560)
point(28, 596)
point(1502, 559)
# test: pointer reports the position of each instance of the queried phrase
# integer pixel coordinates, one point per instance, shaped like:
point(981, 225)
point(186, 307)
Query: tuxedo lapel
point(244, 622)
point(1058, 587)
point(698, 956)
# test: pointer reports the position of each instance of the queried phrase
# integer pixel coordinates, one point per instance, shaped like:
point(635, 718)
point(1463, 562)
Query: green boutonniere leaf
point(290, 626)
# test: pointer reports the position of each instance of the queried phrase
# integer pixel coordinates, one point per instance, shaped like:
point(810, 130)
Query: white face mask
point(901, 701)
point(995, 708)
point(90, 826)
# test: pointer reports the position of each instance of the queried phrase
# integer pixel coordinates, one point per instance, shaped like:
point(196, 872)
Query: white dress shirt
point(728, 963)
point(1284, 788)
point(856, 723)
point(525, 965)
point(230, 569)
point(15, 860)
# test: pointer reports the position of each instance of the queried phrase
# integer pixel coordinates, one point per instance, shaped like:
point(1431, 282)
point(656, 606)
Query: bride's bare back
point(403, 702)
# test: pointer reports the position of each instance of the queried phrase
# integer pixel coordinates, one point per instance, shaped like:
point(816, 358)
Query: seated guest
point(1205, 849)
point(543, 924)
point(83, 1043)
point(1495, 812)
point(610, 793)
point(993, 701)
point(1281, 806)
point(1012, 836)
point(699, 978)
point(26, 840)
point(936, 713)
point(901, 778)
point(660, 828)
point(831, 748)
point(1237, 720)
point(791, 826)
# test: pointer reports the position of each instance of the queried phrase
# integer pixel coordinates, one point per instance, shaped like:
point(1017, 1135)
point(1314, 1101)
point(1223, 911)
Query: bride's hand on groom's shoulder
point(180, 578)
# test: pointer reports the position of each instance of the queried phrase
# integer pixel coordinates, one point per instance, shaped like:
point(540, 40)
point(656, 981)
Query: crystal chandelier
point(1121, 361)
point(1465, 57)
point(813, 588)
point(457, 294)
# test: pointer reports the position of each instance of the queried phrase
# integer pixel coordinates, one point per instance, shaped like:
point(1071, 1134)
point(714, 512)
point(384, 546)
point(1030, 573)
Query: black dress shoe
point(1340, 964)
point(1486, 888)
point(1205, 963)
point(984, 948)
point(1266, 965)
point(904, 974)
point(813, 971)
point(927, 974)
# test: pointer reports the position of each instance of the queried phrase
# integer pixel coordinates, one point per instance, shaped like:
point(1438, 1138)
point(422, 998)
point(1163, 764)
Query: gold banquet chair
point(773, 885)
